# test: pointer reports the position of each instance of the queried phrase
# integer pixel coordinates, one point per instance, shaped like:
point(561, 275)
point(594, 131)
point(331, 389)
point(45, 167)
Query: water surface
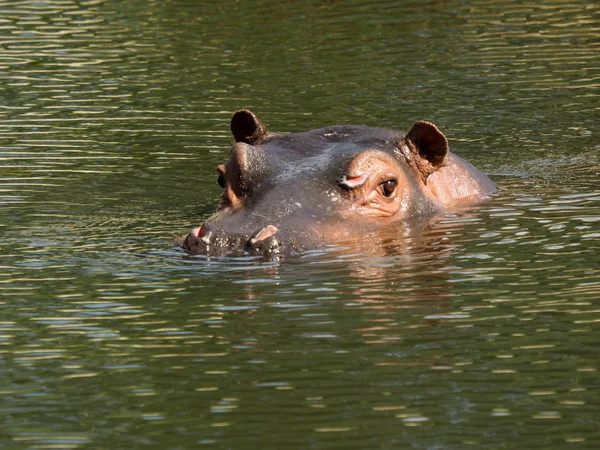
point(479, 331)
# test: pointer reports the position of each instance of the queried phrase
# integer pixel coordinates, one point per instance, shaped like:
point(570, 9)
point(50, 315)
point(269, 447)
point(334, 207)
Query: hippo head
point(287, 192)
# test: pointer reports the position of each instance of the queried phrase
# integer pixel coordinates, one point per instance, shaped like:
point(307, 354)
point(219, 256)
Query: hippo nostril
point(262, 234)
point(197, 235)
point(198, 232)
point(202, 233)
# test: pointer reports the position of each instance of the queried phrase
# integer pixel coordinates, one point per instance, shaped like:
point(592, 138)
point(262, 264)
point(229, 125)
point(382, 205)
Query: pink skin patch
point(354, 182)
point(198, 232)
point(265, 233)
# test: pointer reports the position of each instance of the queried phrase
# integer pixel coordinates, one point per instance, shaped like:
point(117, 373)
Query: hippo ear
point(246, 127)
point(429, 142)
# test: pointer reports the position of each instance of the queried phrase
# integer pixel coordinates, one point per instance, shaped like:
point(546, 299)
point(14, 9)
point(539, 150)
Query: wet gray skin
point(286, 192)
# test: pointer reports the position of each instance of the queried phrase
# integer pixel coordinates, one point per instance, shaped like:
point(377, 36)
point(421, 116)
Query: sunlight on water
point(477, 328)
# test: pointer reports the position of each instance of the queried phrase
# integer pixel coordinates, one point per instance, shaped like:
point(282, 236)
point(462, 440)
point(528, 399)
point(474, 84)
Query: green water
point(480, 332)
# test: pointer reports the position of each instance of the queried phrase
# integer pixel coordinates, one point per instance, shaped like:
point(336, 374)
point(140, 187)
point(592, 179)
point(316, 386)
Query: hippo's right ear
point(429, 142)
point(246, 127)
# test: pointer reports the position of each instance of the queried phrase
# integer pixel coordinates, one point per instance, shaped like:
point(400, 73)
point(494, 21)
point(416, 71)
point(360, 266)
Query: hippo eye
point(388, 187)
point(221, 180)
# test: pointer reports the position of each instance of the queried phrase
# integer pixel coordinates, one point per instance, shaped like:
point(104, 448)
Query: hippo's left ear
point(246, 127)
point(429, 142)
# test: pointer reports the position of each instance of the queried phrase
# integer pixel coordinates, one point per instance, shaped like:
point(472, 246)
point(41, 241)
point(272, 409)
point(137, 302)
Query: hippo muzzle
point(206, 240)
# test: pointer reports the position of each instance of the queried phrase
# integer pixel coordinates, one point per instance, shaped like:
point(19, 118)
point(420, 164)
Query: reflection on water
point(477, 328)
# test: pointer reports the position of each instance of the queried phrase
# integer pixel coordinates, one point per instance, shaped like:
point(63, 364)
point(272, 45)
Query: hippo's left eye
point(388, 187)
point(221, 180)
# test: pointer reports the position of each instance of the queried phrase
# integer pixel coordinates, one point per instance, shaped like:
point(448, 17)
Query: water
point(478, 332)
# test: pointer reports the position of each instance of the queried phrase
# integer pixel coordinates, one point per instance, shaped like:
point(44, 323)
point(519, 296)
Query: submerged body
point(286, 192)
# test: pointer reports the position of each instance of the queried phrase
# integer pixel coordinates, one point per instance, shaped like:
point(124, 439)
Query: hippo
point(284, 193)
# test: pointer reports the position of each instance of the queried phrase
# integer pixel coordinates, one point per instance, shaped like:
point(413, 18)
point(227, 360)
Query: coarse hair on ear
point(247, 128)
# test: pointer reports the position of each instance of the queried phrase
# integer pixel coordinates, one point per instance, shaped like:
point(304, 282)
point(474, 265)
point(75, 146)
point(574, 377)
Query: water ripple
point(112, 119)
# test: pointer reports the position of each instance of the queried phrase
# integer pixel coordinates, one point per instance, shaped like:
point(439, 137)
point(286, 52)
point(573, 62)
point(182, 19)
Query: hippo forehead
point(330, 149)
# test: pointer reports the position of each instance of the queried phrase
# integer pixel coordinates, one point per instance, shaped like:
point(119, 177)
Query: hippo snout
point(204, 240)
